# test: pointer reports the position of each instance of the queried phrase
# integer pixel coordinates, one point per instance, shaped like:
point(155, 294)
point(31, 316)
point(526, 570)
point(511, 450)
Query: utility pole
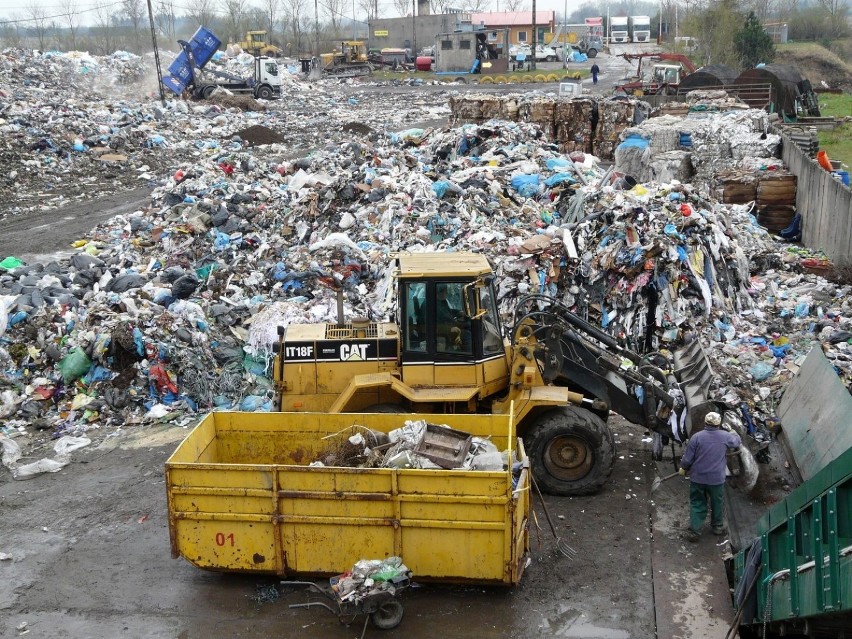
point(534, 38)
point(354, 24)
point(156, 54)
point(414, 28)
point(316, 26)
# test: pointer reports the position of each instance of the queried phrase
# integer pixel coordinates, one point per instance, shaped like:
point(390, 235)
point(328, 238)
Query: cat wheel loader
point(446, 352)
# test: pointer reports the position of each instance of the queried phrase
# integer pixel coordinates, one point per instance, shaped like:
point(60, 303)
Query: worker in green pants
point(705, 460)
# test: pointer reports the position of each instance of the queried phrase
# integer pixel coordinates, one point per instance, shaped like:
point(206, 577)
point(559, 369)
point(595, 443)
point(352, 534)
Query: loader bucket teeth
point(694, 374)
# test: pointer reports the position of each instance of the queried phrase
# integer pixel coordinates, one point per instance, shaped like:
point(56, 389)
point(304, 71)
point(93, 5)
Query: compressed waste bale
point(736, 187)
point(673, 165)
point(492, 107)
point(614, 116)
point(776, 217)
point(573, 120)
point(777, 189)
point(632, 156)
point(467, 108)
point(540, 112)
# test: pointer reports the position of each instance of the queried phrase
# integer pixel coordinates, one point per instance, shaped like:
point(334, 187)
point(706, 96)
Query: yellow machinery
point(349, 60)
point(242, 498)
point(256, 43)
point(446, 352)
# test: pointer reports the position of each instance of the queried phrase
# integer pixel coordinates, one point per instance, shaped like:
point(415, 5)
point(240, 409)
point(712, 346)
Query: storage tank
point(786, 82)
point(712, 76)
point(423, 63)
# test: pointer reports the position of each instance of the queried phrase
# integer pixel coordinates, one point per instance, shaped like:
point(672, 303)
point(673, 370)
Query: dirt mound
point(258, 135)
point(817, 64)
point(242, 102)
point(357, 128)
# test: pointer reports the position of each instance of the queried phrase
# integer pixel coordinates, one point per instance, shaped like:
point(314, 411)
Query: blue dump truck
point(189, 71)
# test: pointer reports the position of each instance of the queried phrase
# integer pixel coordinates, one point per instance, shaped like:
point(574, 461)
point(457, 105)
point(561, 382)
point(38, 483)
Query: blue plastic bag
point(761, 371)
point(526, 185)
point(553, 180)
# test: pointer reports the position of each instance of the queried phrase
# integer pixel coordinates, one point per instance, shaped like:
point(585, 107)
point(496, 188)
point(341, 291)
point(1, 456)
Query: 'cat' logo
point(353, 351)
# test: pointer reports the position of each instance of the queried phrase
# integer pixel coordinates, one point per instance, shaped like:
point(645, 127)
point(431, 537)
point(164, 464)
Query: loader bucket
point(693, 373)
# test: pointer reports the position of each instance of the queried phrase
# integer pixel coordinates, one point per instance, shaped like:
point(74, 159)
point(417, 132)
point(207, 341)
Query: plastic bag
point(761, 371)
point(74, 365)
point(185, 286)
point(525, 185)
point(10, 263)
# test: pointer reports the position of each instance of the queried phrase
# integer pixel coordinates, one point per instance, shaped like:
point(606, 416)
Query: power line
point(58, 15)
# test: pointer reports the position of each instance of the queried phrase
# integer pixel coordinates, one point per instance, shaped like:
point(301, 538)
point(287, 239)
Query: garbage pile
point(174, 308)
point(697, 147)
point(76, 126)
point(370, 577)
point(416, 444)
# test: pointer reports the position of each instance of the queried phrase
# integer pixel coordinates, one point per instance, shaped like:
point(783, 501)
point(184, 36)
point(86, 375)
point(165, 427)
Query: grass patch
point(379, 75)
point(838, 105)
point(838, 142)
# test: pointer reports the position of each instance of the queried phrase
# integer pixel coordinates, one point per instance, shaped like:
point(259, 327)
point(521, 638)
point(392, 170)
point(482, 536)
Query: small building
point(519, 24)
point(417, 32)
point(484, 50)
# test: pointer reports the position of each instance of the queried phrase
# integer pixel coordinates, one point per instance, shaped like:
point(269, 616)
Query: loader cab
point(451, 334)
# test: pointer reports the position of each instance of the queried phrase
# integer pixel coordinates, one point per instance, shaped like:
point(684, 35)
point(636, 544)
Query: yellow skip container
point(242, 498)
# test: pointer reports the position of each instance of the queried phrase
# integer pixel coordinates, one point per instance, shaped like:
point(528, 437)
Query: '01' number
point(222, 539)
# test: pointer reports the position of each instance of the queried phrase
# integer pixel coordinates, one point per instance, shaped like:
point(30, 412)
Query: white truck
point(618, 31)
point(189, 72)
point(640, 28)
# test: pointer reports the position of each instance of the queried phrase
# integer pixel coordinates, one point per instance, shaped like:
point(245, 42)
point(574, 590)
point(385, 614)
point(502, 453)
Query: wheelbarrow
point(382, 607)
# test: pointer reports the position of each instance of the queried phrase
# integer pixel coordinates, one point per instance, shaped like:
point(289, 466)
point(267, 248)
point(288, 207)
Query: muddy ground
point(90, 557)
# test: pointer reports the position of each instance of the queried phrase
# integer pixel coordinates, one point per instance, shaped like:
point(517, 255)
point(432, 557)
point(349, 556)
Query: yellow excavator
point(446, 352)
point(257, 44)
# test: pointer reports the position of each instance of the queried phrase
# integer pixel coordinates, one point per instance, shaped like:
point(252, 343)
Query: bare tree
point(165, 18)
point(105, 37)
point(135, 12)
point(335, 13)
point(514, 5)
point(476, 6)
point(787, 8)
point(370, 8)
point(10, 32)
point(296, 11)
point(403, 7)
point(836, 8)
point(235, 14)
point(270, 10)
point(71, 17)
point(762, 8)
point(203, 12)
point(38, 21)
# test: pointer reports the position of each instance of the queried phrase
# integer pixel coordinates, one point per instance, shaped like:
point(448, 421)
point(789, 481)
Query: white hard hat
point(713, 419)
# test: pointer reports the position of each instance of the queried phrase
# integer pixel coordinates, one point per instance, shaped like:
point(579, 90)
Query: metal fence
point(825, 204)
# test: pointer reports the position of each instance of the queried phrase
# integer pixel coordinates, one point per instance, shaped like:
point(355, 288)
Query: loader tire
point(571, 450)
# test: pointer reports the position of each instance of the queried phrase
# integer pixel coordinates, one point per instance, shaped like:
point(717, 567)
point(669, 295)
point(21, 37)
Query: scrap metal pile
point(415, 444)
point(173, 309)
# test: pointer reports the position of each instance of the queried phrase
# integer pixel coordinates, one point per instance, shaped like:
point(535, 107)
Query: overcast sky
point(18, 8)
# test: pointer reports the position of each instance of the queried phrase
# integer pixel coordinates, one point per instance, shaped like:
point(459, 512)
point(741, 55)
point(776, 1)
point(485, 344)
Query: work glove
point(681, 472)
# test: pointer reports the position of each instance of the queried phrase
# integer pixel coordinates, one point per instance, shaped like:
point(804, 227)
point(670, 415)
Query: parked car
point(542, 53)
